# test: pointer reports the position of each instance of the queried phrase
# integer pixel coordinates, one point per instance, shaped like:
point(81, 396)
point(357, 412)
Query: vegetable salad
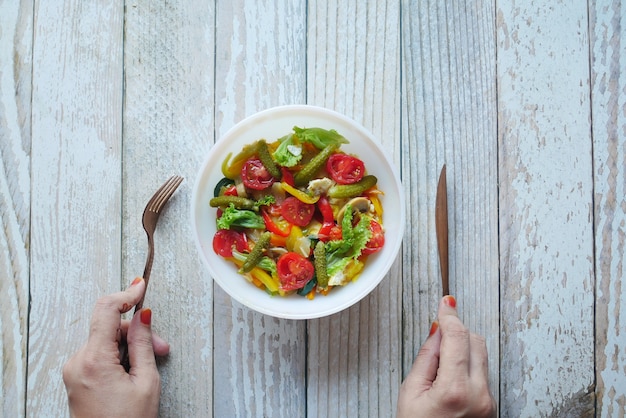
point(297, 214)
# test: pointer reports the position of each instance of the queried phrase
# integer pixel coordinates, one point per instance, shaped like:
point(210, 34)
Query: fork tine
point(157, 194)
point(164, 193)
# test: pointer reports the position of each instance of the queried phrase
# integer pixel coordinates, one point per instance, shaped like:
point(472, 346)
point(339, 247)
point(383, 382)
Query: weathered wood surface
point(15, 177)
point(608, 105)
point(546, 213)
point(100, 103)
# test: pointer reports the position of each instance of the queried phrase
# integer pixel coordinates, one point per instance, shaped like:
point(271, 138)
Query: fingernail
point(450, 301)
point(136, 281)
point(146, 316)
point(433, 328)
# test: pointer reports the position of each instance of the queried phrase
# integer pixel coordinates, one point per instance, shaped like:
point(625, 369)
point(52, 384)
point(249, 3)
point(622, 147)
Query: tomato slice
point(225, 239)
point(297, 212)
point(345, 169)
point(294, 271)
point(377, 240)
point(255, 176)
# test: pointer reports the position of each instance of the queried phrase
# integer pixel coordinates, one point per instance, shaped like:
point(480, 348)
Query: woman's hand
point(449, 377)
point(96, 382)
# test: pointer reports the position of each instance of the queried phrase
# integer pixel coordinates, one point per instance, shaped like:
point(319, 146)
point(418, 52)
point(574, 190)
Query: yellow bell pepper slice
point(299, 194)
point(266, 279)
point(378, 208)
point(233, 169)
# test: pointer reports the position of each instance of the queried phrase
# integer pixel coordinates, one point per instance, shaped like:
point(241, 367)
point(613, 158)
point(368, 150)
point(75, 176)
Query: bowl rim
point(323, 113)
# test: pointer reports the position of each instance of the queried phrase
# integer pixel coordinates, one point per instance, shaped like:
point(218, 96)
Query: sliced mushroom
point(241, 189)
point(278, 250)
point(361, 204)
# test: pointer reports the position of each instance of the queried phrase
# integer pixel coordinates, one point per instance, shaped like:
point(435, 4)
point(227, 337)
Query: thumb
point(424, 370)
point(139, 338)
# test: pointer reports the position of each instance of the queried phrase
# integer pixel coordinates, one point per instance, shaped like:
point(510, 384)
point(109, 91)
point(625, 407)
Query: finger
point(105, 320)
point(455, 344)
point(424, 370)
point(140, 349)
point(161, 347)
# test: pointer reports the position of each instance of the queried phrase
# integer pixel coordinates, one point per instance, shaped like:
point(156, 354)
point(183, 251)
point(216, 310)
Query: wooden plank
point(15, 113)
point(546, 231)
point(449, 116)
point(608, 65)
point(260, 363)
point(168, 128)
point(75, 163)
point(354, 360)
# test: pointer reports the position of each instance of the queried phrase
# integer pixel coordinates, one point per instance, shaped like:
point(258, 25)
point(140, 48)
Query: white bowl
point(272, 124)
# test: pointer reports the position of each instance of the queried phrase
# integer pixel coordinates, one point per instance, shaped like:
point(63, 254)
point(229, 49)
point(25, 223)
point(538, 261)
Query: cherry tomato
point(294, 271)
point(335, 233)
point(225, 239)
point(297, 212)
point(255, 176)
point(377, 240)
point(345, 169)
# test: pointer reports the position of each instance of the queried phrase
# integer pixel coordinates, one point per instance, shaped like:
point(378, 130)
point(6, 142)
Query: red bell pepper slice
point(328, 220)
point(287, 177)
point(272, 226)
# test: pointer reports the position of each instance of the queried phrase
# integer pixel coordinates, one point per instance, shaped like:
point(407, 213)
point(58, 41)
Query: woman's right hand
point(449, 377)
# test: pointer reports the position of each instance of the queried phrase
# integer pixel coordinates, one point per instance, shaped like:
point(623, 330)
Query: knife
point(441, 227)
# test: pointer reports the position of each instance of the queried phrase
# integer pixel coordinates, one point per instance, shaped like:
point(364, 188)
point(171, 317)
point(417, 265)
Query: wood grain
point(15, 114)
point(608, 44)
point(546, 231)
point(353, 62)
point(260, 363)
point(76, 177)
point(524, 103)
point(449, 108)
point(168, 128)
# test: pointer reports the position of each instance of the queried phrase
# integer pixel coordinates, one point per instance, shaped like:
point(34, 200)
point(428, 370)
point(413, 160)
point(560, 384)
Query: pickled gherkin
point(319, 255)
point(257, 253)
point(352, 190)
point(237, 201)
point(307, 172)
point(268, 162)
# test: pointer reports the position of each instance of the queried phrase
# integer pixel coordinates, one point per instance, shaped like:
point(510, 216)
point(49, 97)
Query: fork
point(149, 220)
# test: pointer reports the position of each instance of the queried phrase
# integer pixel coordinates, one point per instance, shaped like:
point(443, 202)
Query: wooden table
point(525, 102)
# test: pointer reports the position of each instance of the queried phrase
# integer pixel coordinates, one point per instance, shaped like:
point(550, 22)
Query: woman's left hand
point(97, 384)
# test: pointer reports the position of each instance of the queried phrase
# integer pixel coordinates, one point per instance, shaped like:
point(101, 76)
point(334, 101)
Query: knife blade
point(441, 227)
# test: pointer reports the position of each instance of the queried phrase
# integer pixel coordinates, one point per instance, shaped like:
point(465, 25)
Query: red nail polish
point(136, 281)
point(450, 301)
point(146, 316)
point(433, 328)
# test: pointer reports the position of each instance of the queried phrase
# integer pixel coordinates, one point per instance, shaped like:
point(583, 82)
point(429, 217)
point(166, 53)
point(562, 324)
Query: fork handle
point(124, 359)
point(146, 271)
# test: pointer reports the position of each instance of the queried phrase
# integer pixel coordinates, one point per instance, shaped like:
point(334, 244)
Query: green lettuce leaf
point(353, 241)
point(283, 155)
point(319, 137)
point(240, 217)
point(265, 263)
